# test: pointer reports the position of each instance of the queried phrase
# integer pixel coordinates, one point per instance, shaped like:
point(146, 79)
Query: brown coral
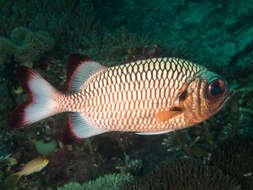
point(185, 175)
point(235, 157)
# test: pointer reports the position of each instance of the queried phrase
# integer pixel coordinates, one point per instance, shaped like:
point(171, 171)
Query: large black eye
point(215, 89)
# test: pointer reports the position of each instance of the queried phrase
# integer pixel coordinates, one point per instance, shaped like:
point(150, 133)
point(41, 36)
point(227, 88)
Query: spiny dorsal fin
point(79, 68)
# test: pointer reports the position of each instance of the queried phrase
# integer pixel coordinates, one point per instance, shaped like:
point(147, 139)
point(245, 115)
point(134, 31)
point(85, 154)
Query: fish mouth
point(228, 95)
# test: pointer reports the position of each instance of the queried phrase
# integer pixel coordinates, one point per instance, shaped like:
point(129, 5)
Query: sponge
point(24, 45)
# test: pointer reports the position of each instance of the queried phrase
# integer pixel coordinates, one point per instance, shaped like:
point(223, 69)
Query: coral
point(78, 166)
point(6, 145)
point(25, 45)
point(7, 49)
point(107, 182)
point(82, 167)
point(112, 48)
point(235, 157)
point(130, 166)
point(18, 34)
point(56, 174)
point(34, 45)
point(71, 186)
point(185, 175)
point(45, 148)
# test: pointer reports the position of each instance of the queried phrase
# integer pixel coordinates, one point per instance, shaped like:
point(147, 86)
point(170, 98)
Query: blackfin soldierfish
point(151, 96)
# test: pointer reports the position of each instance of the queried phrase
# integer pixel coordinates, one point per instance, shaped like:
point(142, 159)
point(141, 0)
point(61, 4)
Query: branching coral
point(107, 182)
point(235, 158)
point(5, 145)
point(185, 175)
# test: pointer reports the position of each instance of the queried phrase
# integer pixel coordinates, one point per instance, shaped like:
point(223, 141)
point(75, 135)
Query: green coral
point(25, 45)
point(108, 182)
point(71, 186)
point(45, 147)
point(7, 48)
point(129, 165)
point(6, 145)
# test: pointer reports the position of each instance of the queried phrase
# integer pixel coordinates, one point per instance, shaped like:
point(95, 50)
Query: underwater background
point(216, 154)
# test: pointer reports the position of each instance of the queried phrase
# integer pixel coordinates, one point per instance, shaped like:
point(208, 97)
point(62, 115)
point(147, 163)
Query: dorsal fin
point(79, 68)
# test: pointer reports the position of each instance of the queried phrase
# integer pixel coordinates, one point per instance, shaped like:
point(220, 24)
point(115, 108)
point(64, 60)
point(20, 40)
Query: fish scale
point(130, 95)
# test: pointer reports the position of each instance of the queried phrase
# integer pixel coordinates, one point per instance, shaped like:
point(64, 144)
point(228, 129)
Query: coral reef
point(107, 182)
point(6, 146)
point(217, 34)
point(235, 158)
point(185, 175)
point(45, 147)
point(25, 45)
point(114, 48)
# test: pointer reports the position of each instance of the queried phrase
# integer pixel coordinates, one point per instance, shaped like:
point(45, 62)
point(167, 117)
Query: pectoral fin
point(167, 115)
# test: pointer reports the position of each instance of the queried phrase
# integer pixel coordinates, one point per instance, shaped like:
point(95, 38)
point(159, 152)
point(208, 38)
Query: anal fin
point(80, 128)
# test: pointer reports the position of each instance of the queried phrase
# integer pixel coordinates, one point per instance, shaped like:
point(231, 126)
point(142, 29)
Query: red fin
point(67, 136)
point(40, 103)
point(17, 117)
point(79, 69)
point(24, 74)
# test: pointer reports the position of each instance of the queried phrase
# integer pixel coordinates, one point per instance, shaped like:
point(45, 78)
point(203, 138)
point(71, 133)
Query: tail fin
point(41, 102)
point(18, 176)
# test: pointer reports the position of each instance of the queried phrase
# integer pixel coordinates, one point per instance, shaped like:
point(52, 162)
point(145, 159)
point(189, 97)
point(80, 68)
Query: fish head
point(45, 162)
point(206, 94)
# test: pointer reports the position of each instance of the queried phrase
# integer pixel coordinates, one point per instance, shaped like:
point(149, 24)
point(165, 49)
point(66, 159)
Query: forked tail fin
point(41, 102)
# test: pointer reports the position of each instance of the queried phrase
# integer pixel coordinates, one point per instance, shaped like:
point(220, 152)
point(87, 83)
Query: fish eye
point(215, 89)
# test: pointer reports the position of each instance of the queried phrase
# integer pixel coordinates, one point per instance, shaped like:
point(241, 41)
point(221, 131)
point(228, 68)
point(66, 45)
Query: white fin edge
point(154, 133)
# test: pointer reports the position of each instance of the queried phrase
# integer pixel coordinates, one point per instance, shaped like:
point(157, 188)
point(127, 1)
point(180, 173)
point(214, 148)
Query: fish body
point(32, 166)
point(151, 96)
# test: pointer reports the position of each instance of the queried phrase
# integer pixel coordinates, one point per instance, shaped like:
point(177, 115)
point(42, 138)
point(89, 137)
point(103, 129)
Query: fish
point(149, 96)
point(32, 166)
